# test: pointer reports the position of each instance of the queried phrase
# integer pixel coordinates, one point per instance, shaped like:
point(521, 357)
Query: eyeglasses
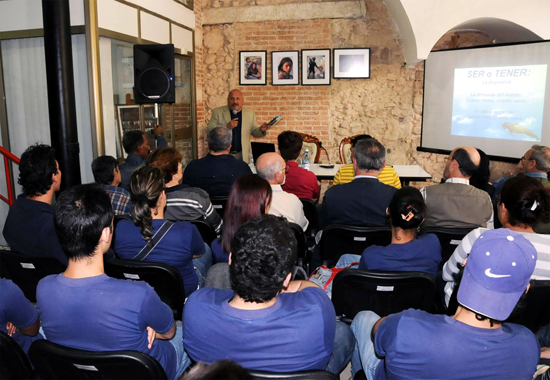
point(285, 169)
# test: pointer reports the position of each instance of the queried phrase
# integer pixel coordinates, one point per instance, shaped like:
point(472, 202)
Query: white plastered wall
point(422, 23)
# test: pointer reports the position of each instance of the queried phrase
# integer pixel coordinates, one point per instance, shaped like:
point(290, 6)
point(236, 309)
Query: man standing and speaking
point(241, 121)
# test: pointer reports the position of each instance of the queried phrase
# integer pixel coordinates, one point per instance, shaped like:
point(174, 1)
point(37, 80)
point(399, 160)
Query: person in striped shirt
point(388, 175)
point(523, 203)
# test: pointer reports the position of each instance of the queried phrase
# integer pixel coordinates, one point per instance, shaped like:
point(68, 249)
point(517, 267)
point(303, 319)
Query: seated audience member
point(345, 174)
point(29, 227)
point(480, 178)
point(136, 146)
point(18, 316)
point(267, 322)
point(218, 170)
point(107, 175)
point(181, 246)
point(83, 308)
point(300, 182)
point(474, 343)
point(535, 163)
point(363, 201)
point(523, 203)
point(250, 197)
point(271, 167)
point(405, 253)
point(183, 202)
point(450, 204)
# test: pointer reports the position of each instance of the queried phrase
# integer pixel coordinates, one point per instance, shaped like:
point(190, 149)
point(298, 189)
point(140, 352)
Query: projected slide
point(504, 102)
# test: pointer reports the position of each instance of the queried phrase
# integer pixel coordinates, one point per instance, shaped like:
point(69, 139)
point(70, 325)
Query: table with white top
point(407, 173)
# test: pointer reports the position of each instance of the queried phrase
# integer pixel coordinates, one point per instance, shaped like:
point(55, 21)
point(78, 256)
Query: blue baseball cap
point(497, 273)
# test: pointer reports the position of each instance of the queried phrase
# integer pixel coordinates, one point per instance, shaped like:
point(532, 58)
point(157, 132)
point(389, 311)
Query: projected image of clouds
point(499, 102)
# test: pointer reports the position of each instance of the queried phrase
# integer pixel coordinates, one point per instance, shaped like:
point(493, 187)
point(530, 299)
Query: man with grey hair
point(363, 201)
point(218, 170)
point(272, 168)
point(535, 163)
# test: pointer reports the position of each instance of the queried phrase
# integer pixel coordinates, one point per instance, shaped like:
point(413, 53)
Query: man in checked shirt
point(107, 175)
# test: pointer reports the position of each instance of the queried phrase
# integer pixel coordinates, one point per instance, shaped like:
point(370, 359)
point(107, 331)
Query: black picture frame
point(246, 59)
point(276, 58)
point(321, 58)
point(352, 63)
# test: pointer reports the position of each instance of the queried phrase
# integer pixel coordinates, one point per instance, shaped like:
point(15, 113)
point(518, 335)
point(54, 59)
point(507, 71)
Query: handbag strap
point(157, 237)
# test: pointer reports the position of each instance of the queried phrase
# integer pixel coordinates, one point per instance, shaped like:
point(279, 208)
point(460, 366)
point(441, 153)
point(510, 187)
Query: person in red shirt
point(299, 182)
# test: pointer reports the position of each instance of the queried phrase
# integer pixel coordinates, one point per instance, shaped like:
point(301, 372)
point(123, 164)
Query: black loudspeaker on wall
point(154, 74)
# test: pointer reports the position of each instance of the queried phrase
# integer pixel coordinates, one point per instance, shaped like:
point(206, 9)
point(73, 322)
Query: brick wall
point(387, 106)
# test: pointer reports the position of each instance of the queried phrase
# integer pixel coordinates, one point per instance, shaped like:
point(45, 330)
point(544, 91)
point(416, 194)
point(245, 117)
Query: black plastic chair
point(339, 239)
point(219, 202)
point(14, 364)
point(355, 290)
point(27, 271)
point(53, 361)
point(535, 312)
point(207, 232)
point(298, 375)
point(165, 279)
point(301, 244)
point(310, 211)
point(449, 238)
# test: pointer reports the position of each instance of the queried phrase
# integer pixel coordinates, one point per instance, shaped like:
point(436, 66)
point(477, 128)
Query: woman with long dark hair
point(250, 196)
point(522, 204)
point(406, 252)
point(180, 245)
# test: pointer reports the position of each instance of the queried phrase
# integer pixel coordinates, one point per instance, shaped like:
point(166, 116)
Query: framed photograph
point(351, 63)
point(284, 68)
point(316, 67)
point(253, 68)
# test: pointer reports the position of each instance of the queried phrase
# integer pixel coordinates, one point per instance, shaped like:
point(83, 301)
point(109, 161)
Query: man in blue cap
point(474, 343)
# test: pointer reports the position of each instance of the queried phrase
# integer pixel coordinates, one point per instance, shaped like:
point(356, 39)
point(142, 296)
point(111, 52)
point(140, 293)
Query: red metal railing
point(8, 156)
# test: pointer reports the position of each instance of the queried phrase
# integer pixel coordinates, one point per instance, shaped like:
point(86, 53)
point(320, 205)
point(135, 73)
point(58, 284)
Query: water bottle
point(305, 159)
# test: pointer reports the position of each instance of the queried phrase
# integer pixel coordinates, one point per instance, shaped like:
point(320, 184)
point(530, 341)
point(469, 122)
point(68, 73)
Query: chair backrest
point(298, 375)
point(300, 239)
point(219, 203)
point(345, 149)
point(354, 290)
point(207, 232)
point(14, 364)
point(53, 361)
point(310, 211)
point(312, 143)
point(535, 312)
point(27, 271)
point(449, 238)
point(338, 239)
point(164, 278)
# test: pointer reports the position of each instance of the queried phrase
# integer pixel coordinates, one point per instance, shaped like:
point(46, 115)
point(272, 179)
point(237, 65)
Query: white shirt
point(464, 181)
point(288, 206)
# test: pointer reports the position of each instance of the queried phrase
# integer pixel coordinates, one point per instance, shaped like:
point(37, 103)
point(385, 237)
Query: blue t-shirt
point(29, 229)
point(217, 251)
point(419, 345)
point(422, 254)
point(295, 334)
point(176, 248)
point(15, 308)
point(105, 314)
